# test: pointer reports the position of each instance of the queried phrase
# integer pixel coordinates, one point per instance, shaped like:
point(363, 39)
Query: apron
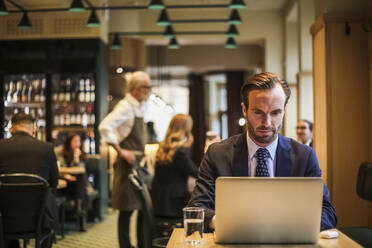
point(123, 194)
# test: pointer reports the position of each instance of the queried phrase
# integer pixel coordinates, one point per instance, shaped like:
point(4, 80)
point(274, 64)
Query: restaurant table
point(177, 240)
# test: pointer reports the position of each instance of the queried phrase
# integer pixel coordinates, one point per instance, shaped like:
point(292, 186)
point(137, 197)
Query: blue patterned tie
point(261, 168)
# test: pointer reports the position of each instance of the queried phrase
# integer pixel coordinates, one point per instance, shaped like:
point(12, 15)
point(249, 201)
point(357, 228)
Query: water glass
point(193, 220)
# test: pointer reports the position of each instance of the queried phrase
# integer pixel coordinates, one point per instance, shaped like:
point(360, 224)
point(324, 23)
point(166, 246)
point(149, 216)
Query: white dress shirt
point(252, 161)
point(117, 125)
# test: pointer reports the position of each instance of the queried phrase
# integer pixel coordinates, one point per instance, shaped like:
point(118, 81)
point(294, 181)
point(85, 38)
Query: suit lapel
point(283, 158)
point(240, 158)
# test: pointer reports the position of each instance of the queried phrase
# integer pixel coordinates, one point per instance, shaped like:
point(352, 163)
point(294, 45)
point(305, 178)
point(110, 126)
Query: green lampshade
point(230, 43)
point(173, 44)
point(25, 22)
point(116, 44)
point(237, 4)
point(233, 31)
point(93, 20)
point(169, 33)
point(77, 6)
point(163, 19)
point(156, 4)
point(235, 17)
point(3, 9)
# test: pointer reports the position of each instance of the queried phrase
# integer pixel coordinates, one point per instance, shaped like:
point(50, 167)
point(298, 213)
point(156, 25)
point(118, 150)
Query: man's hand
point(128, 155)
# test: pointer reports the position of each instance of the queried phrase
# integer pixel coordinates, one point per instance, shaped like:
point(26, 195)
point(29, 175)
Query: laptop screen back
point(268, 210)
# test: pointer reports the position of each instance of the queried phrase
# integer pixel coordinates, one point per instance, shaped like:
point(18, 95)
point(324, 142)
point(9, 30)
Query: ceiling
point(146, 20)
point(251, 4)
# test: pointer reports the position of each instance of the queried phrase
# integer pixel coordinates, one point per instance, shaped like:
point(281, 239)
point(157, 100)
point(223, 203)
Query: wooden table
point(177, 240)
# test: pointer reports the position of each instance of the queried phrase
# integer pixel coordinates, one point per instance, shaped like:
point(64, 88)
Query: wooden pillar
point(342, 110)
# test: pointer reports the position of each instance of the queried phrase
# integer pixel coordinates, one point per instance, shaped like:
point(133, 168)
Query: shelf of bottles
point(26, 93)
point(73, 99)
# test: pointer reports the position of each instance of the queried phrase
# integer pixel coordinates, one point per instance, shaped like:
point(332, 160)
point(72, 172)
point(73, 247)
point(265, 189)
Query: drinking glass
point(193, 220)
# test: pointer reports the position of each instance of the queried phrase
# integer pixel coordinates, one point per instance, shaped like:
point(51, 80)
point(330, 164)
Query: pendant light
point(230, 43)
point(237, 4)
point(156, 4)
point(25, 22)
point(93, 20)
point(235, 17)
point(3, 9)
point(169, 33)
point(116, 44)
point(77, 6)
point(233, 31)
point(163, 19)
point(173, 44)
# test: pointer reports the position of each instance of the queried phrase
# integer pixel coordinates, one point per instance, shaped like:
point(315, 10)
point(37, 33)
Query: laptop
point(268, 210)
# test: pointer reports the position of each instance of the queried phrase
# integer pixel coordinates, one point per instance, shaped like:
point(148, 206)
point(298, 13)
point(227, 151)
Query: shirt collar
point(133, 101)
point(253, 147)
point(308, 142)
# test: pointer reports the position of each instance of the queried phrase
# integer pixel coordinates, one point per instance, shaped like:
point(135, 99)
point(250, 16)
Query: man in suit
point(22, 153)
point(304, 131)
point(261, 151)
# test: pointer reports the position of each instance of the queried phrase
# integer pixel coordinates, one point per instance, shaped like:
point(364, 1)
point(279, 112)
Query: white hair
point(132, 79)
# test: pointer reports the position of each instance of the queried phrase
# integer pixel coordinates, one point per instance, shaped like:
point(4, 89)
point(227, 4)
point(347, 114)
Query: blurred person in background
point(211, 137)
point(170, 192)
point(124, 130)
point(71, 161)
point(22, 153)
point(304, 131)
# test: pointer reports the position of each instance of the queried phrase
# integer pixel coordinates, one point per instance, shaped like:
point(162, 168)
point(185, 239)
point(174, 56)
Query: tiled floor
point(101, 234)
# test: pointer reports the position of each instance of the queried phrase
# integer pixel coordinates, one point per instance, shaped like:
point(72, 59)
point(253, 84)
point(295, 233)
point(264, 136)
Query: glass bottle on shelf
point(61, 94)
point(9, 93)
point(92, 90)
point(68, 90)
point(30, 93)
point(24, 93)
point(37, 89)
point(42, 90)
point(81, 90)
point(87, 90)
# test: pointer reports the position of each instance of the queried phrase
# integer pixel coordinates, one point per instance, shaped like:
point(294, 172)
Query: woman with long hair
point(72, 168)
point(173, 168)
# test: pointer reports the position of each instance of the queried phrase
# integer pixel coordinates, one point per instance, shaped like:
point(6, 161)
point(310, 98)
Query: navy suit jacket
point(230, 158)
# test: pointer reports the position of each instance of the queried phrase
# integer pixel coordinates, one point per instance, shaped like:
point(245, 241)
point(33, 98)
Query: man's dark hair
point(263, 81)
point(308, 123)
point(22, 118)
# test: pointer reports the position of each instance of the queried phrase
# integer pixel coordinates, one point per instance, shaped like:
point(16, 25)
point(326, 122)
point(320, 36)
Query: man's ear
point(244, 110)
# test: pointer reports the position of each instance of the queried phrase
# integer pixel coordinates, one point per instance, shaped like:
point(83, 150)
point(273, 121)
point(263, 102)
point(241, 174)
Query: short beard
point(263, 139)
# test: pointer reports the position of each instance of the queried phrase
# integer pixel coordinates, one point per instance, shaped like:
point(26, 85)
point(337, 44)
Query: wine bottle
point(61, 94)
point(30, 93)
point(37, 90)
point(68, 90)
point(42, 90)
point(6, 90)
point(81, 90)
point(15, 94)
point(92, 90)
point(24, 93)
point(87, 90)
point(10, 92)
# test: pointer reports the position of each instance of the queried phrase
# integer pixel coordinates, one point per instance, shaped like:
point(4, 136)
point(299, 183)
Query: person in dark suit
point(304, 131)
point(22, 153)
point(173, 167)
point(261, 151)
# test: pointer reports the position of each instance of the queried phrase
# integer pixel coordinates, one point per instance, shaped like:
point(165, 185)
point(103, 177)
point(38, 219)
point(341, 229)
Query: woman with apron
point(124, 130)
